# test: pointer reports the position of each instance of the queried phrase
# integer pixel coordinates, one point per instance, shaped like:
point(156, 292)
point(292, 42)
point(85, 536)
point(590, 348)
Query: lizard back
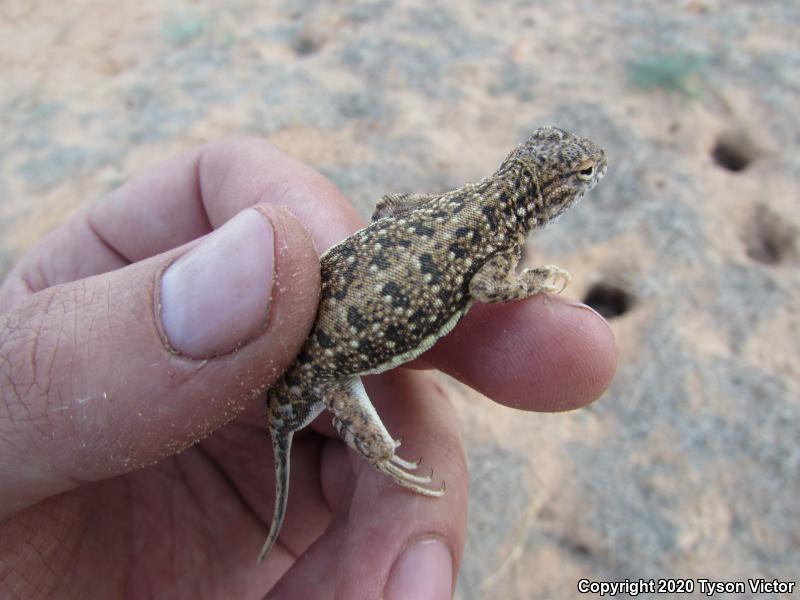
point(412, 271)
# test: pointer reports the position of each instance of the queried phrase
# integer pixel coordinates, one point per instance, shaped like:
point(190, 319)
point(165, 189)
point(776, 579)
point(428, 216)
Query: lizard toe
point(412, 482)
point(406, 464)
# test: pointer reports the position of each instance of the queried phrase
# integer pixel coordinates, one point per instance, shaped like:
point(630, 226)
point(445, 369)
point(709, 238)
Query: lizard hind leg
point(358, 424)
point(281, 446)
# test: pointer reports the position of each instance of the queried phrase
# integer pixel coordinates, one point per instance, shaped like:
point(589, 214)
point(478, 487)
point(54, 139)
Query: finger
point(223, 479)
point(313, 575)
point(544, 353)
point(177, 202)
point(244, 453)
point(396, 539)
point(109, 373)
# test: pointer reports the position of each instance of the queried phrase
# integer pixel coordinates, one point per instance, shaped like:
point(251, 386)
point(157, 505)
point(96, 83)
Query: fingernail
point(217, 296)
point(424, 571)
point(586, 307)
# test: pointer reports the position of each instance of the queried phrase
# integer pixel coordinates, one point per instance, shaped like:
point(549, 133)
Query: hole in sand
point(306, 43)
point(769, 238)
point(734, 151)
point(609, 300)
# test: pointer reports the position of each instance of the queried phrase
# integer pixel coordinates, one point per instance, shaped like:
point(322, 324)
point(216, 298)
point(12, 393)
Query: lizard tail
point(281, 446)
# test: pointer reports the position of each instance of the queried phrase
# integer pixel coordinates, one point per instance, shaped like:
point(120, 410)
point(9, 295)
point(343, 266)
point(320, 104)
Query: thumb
point(110, 373)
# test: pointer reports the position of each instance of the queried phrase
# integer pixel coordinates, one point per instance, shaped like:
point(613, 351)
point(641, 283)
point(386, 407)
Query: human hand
point(129, 334)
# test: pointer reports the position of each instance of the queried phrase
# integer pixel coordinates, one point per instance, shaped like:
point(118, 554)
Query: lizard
point(390, 290)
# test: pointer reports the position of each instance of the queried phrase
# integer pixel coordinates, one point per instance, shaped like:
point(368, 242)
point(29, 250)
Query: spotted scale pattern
point(391, 289)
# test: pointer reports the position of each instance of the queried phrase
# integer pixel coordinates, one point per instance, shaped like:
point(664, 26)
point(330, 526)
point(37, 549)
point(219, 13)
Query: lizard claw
point(558, 279)
point(396, 471)
point(415, 483)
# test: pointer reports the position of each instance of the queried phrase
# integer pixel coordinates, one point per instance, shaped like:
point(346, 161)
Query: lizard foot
point(497, 280)
point(556, 279)
point(358, 424)
point(403, 478)
point(401, 462)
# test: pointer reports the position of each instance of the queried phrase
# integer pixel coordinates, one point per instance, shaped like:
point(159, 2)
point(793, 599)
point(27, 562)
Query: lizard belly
point(426, 344)
point(392, 289)
point(373, 317)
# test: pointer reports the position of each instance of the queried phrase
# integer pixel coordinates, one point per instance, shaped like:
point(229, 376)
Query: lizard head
point(562, 167)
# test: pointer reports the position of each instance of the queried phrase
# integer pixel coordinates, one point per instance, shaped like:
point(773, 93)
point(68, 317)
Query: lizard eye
point(586, 172)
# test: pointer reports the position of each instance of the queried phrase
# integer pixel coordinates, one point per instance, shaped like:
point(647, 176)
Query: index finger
point(545, 353)
point(197, 192)
point(177, 202)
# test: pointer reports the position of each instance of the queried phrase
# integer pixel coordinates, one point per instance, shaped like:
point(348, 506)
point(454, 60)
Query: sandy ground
point(689, 466)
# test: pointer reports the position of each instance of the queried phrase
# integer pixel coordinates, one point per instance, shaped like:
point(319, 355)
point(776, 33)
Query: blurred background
point(689, 466)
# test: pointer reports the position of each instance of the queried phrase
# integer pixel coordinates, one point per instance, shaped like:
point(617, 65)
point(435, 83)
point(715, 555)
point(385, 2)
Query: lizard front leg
point(358, 423)
point(396, 205)
point(498, 281)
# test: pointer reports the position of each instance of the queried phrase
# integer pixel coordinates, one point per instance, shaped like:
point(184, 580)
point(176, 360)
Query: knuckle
point(32, 337)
